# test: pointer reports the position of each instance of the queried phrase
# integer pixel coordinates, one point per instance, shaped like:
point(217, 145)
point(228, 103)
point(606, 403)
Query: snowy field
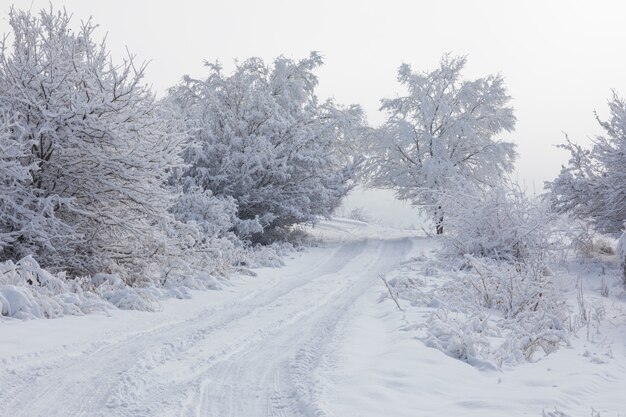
point(317, 337)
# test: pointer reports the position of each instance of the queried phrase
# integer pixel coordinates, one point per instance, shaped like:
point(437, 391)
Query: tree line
point(99, 175)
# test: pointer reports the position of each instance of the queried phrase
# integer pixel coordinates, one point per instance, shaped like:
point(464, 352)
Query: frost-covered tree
point(592, 186)
point(27, 218)
point(94, 142)
point(441, 136)
point(261, 137)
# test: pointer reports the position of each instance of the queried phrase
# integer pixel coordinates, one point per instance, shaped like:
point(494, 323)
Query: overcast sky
point(560, 59)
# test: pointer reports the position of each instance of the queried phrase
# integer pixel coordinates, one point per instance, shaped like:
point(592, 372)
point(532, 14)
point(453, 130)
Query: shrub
point(502, 223)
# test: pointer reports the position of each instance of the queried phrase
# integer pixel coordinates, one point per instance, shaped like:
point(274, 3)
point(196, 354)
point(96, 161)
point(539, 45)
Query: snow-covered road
point(250, 350)
point(313, 338)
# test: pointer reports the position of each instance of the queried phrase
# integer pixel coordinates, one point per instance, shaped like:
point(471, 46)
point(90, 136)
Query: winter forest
point(197, 255)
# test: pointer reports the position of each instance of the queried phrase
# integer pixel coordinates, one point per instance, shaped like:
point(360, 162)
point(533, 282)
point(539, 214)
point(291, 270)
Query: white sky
point(560, 59)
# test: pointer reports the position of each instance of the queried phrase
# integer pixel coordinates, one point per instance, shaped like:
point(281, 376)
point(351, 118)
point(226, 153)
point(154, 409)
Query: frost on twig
point(393, 297)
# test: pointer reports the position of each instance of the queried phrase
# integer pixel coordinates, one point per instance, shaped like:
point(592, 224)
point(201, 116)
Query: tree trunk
point(439, 223)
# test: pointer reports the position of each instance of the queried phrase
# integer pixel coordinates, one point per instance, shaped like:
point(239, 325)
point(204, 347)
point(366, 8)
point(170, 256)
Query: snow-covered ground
point(317, 337)
point(377, 368)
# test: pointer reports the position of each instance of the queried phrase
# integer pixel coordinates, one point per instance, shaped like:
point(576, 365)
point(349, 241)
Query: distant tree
point(441, 136)
point(94, 142)
point(261, 137)
point(592, 186)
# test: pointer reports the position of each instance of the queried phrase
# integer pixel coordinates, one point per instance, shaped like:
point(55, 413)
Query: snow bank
point(28, 291)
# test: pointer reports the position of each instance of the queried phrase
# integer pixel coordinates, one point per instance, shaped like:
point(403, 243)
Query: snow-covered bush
point(28, 291)
point(603, 245)
point(485, 312)
point(461, 337)
point(260, 137)
point(95, 142)
point(501, 223)
point(114, 290)
point(524, 293)
point(358, 213)
point(534, 332)
point(442, 136)
point(580, 238)
point(512, 288)
point(578, 234)
point(508, 240)
point(212, 216)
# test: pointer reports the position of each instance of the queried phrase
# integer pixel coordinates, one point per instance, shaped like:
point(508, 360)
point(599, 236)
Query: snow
point(18, 302)
point(381, 367)
point(317, 337)
point(381, 371)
